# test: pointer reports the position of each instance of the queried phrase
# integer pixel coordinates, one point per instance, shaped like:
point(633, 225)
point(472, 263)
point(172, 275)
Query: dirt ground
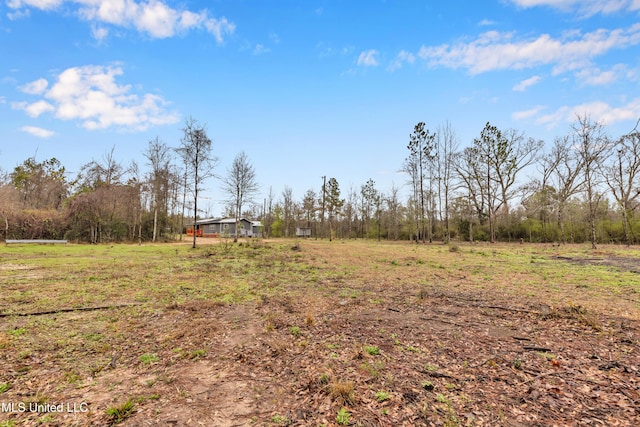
point(377, 352)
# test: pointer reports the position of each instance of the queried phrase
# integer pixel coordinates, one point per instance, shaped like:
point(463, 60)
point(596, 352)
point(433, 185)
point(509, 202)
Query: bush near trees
point(586, 188)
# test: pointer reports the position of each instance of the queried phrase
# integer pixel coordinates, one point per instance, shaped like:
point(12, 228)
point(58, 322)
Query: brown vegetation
point(259, 334)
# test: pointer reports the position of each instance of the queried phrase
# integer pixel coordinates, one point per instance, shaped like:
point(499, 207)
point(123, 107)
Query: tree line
point(503, 186)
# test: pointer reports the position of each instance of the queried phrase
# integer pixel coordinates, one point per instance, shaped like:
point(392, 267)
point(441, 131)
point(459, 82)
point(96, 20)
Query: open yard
point(312, 333)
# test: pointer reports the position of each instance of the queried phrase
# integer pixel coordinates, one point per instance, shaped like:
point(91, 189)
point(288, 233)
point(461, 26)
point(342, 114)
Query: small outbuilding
point(303, 231)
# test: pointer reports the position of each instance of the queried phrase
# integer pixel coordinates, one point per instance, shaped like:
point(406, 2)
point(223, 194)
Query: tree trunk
point(563, 239)
point(447, 231)
point(155, 222)
point(625, 224)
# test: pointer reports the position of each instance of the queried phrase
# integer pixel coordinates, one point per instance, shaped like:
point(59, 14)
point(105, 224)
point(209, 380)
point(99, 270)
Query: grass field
point(318, 333)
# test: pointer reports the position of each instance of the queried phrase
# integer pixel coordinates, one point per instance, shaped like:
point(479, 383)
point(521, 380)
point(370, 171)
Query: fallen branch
point(534, 348)
point(438, 375)
point(537, 377)
point(68, 310)
point(518, 310)
point(442, 321)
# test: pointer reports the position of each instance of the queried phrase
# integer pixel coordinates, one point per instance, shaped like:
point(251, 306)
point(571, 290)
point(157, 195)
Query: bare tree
point(104, 180)
point(623, 178)
point(309, 207)
point(592, 147)
point(195, 150)
point(287, 210)
point(350, 211)
point(158, 155)
point(565, 167)
point(502, 155)
point(370, 198)
point(540, 195)
point(468, 170)
point(268, 213)
point(421, 153)
point(393, 212)
point(446, 148)
point(241, 185)
point(333, 203)
point(8, 201)
point(410, 167)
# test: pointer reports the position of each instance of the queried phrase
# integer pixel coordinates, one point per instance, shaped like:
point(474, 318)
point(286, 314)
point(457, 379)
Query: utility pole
point(324, 186)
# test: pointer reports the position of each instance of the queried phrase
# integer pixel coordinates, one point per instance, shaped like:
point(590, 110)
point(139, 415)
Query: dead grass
point(342, 392)
point(251, 328)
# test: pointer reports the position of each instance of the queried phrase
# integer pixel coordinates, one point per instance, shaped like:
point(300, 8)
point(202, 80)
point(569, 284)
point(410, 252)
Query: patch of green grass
point(324, 378)
point(47, 419)
point(430, 368)
point(198, 354)
point(280, 420)
point(149, 358)
point(545, 355)
point(118, 414)
point(17, 332)
point(381, 396)
point(372, 350)
point(517, 363)
point(343, 417)
point(295, 331)
point(4, 387)
point(154, 396)
point(441, 398)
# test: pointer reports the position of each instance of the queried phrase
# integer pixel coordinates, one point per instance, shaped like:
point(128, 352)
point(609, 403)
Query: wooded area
point(504, 186)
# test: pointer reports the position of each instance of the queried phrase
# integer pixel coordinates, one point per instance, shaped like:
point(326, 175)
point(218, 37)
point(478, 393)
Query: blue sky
point(307, 88)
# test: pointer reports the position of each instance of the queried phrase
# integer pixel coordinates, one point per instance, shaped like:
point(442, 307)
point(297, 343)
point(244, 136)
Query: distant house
point(226, 227)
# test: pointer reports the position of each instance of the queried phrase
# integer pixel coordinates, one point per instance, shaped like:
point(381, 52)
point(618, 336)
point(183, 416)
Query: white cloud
point(219, 28)
point(99, 33)
point(599, 111)
point(152, 17)
point(367, 58)
point(493, 50)
point(38, 108)
point(91, 95)
point(260, 49)
point(584, 7)
point(36, 131)
point(327, 51)
point(38, 4)
point(19, 14)
point(486, 23)
point(36, 87)
point(527, 114)
point(597, 77)
point(523, 85)
point(403, 57)
point(274, 37)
